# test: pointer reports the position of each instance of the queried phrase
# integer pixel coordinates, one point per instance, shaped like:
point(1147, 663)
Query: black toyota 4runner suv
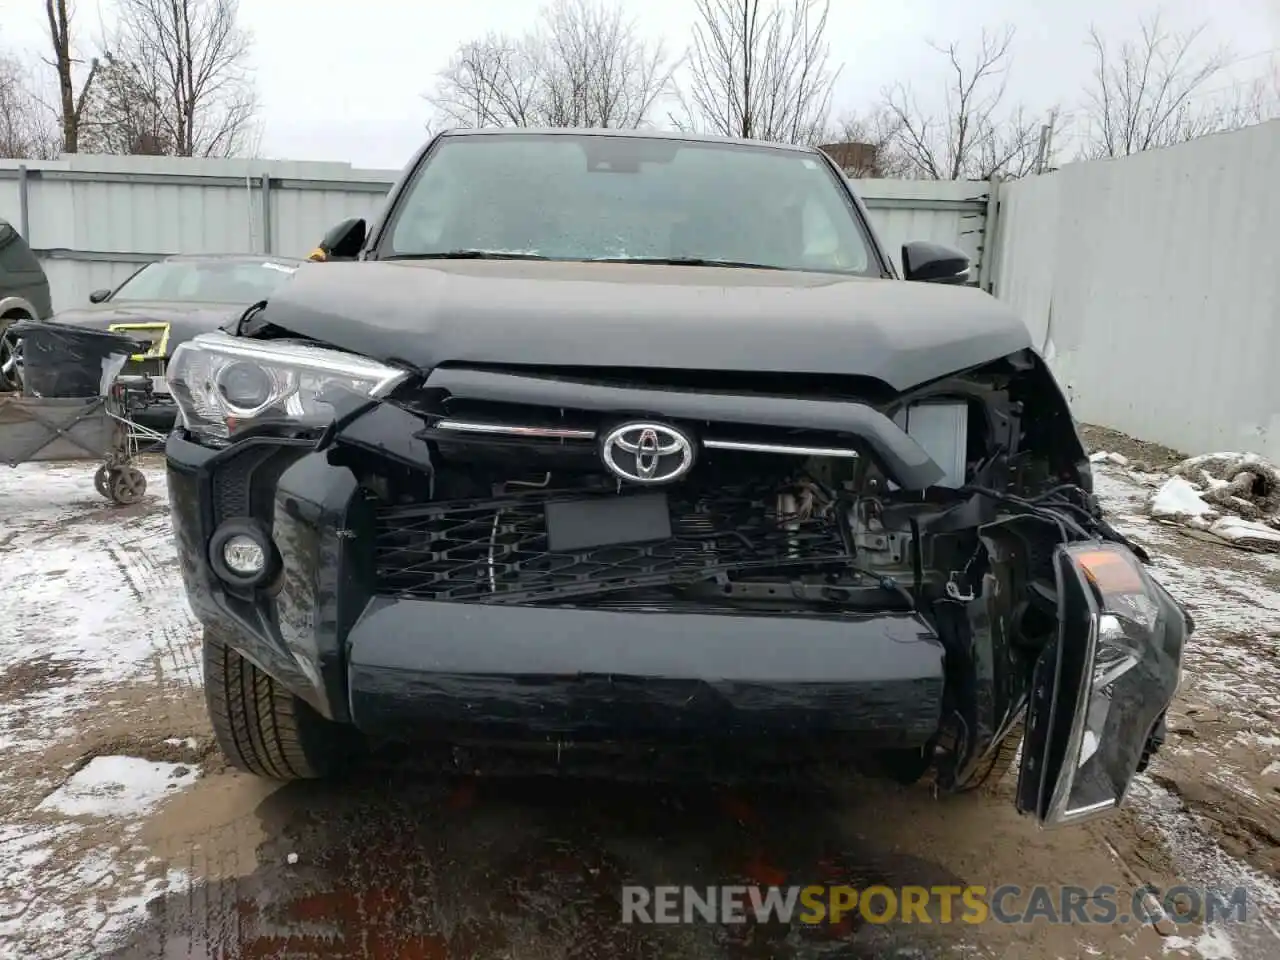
point(639, 441)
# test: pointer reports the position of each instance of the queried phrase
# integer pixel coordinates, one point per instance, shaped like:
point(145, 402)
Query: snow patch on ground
point(1198, 857)
point(93, 899)
point(1178, 499)
point(65, 596)
point(93, 602)
point(1230, 497)
point(1212, 945)
point(118, 787)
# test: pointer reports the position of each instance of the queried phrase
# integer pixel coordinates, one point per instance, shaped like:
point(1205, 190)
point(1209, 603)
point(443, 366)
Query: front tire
point(10, 354)
point(987, 782)
point(264, 729)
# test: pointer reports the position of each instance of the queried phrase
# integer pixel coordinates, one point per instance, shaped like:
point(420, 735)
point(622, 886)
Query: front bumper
point(445, 669)
point(602, 675)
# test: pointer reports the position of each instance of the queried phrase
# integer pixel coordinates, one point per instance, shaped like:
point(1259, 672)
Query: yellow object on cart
point(159, 348)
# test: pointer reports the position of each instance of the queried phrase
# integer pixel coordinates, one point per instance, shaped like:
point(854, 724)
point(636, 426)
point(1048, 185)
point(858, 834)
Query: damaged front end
point(952, 525)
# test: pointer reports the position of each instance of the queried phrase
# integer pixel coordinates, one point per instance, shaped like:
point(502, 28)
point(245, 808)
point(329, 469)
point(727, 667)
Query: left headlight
point(224, 385)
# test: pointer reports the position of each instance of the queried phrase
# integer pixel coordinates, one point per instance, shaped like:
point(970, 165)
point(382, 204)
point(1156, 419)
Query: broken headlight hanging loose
point(224, 385)
point(1102, 688)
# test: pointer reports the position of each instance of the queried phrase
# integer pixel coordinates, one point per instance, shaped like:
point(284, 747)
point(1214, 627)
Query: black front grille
point(496, 551)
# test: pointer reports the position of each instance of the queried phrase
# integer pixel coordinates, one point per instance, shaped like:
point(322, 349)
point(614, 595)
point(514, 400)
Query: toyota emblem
point(647, 452)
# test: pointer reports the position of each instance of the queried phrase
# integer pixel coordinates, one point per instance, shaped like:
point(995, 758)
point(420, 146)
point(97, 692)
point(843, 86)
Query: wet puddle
point(402, 865)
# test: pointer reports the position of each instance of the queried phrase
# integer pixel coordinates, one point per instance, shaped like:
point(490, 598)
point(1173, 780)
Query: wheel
point(987, 781)
point(264, 729)
point(127, 485)
point(10, 355)
point(103, 480)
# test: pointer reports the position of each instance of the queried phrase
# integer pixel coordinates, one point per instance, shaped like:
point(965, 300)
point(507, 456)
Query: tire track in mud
point(96, 590)
point(101, 644)
point(145, 557)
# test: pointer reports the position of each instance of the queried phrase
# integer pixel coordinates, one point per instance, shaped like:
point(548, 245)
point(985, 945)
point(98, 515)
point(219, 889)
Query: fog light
point(244, 556)
point(241, 553)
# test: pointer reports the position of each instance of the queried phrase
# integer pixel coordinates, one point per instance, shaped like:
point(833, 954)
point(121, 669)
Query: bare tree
point(128, 112)
point(976, 135)
point(1145, 94)
point(584, 65)
point(490, 82)
point(181, 81)
point(759, 69)
point(60, 14)
point(598, 71)
point(1255, 102)
point(26, 130)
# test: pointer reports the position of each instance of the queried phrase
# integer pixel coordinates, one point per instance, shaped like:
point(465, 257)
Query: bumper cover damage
point(393, 663)
point(605, 675)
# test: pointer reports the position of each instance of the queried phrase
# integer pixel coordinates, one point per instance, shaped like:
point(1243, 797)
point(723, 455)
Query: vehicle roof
point(230, 257)
point(631, 134)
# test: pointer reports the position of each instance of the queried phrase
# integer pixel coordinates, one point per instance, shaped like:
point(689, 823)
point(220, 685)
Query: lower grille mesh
point(496, 551)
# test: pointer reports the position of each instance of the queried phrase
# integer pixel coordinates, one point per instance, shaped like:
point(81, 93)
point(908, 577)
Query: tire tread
point(260, 726)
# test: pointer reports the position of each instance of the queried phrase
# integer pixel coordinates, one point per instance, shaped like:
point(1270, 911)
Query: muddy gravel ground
point(124, 835)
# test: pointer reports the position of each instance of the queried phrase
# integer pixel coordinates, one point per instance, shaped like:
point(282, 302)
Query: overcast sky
point(343, 80)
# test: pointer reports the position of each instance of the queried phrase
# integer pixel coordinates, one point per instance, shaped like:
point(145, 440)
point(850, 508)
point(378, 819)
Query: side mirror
point(342, 242)
point(99, 295)
point(929, 262)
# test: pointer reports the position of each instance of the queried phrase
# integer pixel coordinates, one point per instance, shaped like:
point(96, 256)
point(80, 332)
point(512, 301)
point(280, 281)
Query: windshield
point(205, 281)
point(569, 197)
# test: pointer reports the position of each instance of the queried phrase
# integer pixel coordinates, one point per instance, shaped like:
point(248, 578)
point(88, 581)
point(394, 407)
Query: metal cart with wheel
point(73, 405)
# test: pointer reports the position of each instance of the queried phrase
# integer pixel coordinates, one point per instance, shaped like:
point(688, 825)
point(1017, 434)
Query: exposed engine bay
point(757, 526)
point(516, 518)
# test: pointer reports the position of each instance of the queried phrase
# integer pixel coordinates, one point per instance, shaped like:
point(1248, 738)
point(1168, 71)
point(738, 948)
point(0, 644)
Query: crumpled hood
point(185, 319)
point(512, 312)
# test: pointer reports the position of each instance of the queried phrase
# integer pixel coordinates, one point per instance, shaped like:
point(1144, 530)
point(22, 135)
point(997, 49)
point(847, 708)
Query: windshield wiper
point(468, 255)
point(689, 262)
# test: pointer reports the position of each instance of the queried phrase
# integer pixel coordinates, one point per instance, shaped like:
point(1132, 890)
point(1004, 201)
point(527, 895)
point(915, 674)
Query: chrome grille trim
point(502, 429)
point(562, 433)
point(783, 449)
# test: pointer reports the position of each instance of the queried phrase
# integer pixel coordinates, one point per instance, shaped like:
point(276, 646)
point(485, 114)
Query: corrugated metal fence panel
point(9, 199)
point(1026, 250)
point(1165, 280)
point(95, 219)
point(300, 217)
point(71, 281)
point(950, 212)
point(139, 217)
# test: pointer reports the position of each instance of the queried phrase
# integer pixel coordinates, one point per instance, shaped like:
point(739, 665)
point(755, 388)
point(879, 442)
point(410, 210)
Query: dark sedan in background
point(169, 301)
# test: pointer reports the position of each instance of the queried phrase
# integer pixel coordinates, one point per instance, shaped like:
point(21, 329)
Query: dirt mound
point(1140, 455)
point(1242, 483)
point(1232, 497)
